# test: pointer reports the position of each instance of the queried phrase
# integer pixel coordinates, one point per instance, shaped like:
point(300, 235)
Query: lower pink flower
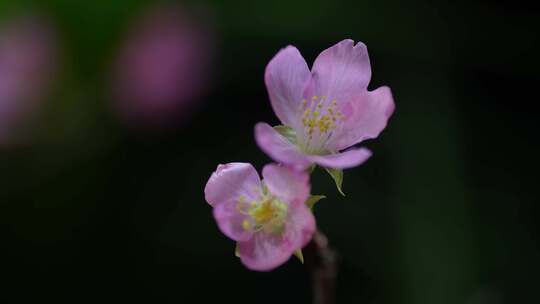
point(268, 218)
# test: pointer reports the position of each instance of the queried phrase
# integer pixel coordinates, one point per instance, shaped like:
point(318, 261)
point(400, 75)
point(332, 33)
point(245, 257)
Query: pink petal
point(369, 114)
point(289, 185)
point(347, 159)
point(342, 71)
point(229, 221)
point(230, 181)
point(279, 148)
point(300, 226)
point(265, 252)
point(286, 77)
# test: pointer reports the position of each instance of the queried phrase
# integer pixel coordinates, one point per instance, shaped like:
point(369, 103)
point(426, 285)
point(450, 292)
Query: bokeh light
point(163, 67)
point(27, 68)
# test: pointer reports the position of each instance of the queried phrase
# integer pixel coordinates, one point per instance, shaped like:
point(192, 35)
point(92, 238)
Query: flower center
point(319, 120)
point(267, 214)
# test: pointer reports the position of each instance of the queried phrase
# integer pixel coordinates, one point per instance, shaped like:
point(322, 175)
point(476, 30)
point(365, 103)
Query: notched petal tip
point(360, 46)
point(342, 71)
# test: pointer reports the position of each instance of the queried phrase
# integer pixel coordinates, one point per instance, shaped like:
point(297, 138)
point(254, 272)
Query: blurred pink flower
point(325, 110)
point(269, 218)
point(162, 67)
point(27, 60)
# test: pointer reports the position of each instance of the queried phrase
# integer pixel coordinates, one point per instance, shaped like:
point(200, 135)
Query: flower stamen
point(319, 120)
point(267, 214)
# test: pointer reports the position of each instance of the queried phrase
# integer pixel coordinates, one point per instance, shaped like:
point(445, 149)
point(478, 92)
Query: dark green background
point(444, 212)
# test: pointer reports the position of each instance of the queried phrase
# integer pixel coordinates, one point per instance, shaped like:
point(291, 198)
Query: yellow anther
point(266, 214)
point(246, 225)
point(262, 213)
point(319, 117)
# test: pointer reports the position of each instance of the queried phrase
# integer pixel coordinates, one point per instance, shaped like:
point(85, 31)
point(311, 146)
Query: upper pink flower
point(326, 110)
point(269, 218)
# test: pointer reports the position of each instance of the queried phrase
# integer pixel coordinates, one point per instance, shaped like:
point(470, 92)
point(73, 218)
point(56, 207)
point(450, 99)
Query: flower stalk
point(322, 264)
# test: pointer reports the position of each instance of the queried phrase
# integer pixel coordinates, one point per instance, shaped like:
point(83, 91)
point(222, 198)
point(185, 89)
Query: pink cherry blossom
point(268, 219)
point(326, 110)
